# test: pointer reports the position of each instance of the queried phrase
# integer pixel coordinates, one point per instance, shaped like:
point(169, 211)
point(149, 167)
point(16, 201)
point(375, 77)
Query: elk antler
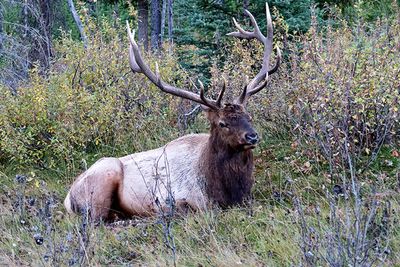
point(138, 65)
point(261, 79)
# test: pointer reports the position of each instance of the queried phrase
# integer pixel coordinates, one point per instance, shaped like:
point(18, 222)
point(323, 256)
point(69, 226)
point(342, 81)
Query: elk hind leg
point(95, 192)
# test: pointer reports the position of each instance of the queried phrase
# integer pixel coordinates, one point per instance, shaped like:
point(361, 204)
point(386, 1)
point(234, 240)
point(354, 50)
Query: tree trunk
point(246, 4)
point(25, 62)
point(143, 23)
point(45, 10)
point(1, 29)
point(25, 18)
point(116, 15)
point(170, 22)
point(77, 21)
point(155, 25)
point(45, 25)
point(92, 9)
point(163, 12)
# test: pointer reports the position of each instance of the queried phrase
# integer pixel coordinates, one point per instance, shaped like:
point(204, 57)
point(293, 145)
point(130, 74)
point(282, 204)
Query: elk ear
point(209, 110)
point(205, 108)
point(211, 114)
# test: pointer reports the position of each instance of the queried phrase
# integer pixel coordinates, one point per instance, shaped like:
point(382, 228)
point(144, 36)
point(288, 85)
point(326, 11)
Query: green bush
point(89, 100)
point(340, 98)
point(342, 92)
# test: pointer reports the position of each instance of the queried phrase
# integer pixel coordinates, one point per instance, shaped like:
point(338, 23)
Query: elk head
point(230, 123)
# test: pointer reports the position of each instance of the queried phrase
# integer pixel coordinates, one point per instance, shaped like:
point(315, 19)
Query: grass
point(267, 233)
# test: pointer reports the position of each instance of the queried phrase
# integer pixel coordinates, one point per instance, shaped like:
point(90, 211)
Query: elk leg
point(95, 191)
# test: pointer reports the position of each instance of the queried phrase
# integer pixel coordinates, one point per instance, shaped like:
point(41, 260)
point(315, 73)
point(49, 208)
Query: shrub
point(88, 101)
point(337, 97)
point(344, 92)
point(341, 101)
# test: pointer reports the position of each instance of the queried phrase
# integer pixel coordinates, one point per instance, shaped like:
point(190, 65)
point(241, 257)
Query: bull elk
point(199, 169)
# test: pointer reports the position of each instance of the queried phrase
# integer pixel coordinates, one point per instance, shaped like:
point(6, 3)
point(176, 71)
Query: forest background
point(327, 168)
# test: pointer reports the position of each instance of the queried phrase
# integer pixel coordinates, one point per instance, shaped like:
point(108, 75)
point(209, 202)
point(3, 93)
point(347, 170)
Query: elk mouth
point(249, 146)
point(250, 140)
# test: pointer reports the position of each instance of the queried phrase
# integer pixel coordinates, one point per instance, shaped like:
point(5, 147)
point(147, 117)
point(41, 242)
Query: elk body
point(195, 170)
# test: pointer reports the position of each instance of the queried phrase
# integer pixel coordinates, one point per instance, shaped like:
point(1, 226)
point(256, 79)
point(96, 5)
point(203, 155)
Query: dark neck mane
point(228, 172)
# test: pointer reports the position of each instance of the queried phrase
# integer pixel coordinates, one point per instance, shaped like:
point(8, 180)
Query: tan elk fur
point(197, 169)
point(135, 181)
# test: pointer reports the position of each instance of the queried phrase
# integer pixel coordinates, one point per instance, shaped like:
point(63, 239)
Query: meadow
point(327, 169)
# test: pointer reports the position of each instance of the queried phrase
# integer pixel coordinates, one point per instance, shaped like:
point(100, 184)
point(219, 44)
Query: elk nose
point(251, 138)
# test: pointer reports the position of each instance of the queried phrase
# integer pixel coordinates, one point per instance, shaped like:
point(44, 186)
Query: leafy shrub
point(343, 92)
point(335, 86)
point(337, 96)
point(341, 102)
point(89, 100)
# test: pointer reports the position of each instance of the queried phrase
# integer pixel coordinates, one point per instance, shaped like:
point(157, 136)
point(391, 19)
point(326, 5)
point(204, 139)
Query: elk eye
point(222, 124)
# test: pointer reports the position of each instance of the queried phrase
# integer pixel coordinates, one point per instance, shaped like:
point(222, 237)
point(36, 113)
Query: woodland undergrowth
point(327, 168)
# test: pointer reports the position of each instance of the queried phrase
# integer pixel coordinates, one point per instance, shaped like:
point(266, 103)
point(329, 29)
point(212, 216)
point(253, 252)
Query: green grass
point(266, 233)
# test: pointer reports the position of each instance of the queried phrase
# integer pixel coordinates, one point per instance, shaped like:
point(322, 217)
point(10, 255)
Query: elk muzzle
point(251, 138)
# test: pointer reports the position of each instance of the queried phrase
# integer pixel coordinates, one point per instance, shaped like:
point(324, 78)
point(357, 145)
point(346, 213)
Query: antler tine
point(242, 96)
point(132, 61)
point(221, 93)
point(257, 33)
point(240, 29)
point(241, 33)
point(138, 65)
point(274, 69)
point(259, 87)
point(270, 33)
point(254, 86)
point(206, 101)
point(277, 63)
